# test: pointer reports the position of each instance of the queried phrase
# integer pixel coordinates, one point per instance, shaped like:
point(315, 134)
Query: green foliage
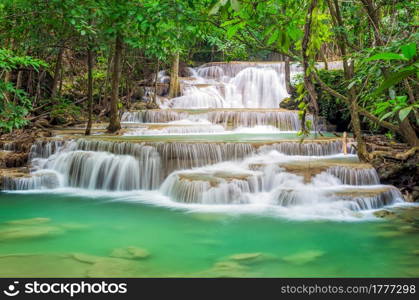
point(10, 61)
point(64, 109)
point(12, 114)
point(398, 106)
point(404, 64)
point(331, 109)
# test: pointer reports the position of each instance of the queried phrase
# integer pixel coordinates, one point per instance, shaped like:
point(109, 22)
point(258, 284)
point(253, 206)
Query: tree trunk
point(348, 74)
point(114, 124)
point(287, 68)
point(374, 19)
point(308, 80)
point(323, 57)
point(18, 85)
point(408, 133)
point(57, 71)
point(174, 77)
point(89, 89)
point(105, 84)
point(155, 81)
point(8, 74)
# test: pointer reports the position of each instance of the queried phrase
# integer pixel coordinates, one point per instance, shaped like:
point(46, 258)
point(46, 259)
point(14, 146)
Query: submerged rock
point(248, 258)
point(130, 253)
point(41, 265)
point(86, 258)
point(114, 267)
point(32, 221)
point(303, 257)
point(389, 234)
point(226, 269)
point(26, 232)
point(67, 265)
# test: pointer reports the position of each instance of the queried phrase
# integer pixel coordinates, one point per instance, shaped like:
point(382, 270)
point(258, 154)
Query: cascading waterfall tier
point(256, 85)
point(229, 119)
point(154, 160)
point(355, 176)
point(237, 85)
point(42, 179)
point(243, 184)
point(213, 173)
point(101, 170)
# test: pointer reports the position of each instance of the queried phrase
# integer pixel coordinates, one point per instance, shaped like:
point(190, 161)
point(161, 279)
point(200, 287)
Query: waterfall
point(309, 149)
point(283, 120)
point(42, 179)
point(235, 85)
point(44, 149)
point(153, 116)
point(237, 183)
point(101, 170)
point(355, 176)
point(199, 97)
point(178, 130)
point(259, 88)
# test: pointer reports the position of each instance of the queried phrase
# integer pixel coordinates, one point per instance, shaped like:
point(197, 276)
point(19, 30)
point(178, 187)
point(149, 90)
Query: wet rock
point(384, 214)
point(130, 253)
point(32, 221)
point(305, 257)
point(13, 160)
point(396, 168)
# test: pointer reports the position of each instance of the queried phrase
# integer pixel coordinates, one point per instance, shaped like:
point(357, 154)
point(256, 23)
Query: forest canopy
point(66, 61)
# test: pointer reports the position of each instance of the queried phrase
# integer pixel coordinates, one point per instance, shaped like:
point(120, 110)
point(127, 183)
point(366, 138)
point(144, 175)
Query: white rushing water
point(262, 178)
point(256, 86)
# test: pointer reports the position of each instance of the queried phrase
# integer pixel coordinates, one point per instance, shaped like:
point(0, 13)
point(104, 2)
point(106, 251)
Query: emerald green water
point(192, 244)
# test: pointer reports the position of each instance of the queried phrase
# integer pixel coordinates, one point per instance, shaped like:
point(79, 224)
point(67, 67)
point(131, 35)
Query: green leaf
point(394, 79)
point(403, 113)
point(232, 30)
point(386, 56)
point(409, 50)
point(387, 115)
point(273, 37)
